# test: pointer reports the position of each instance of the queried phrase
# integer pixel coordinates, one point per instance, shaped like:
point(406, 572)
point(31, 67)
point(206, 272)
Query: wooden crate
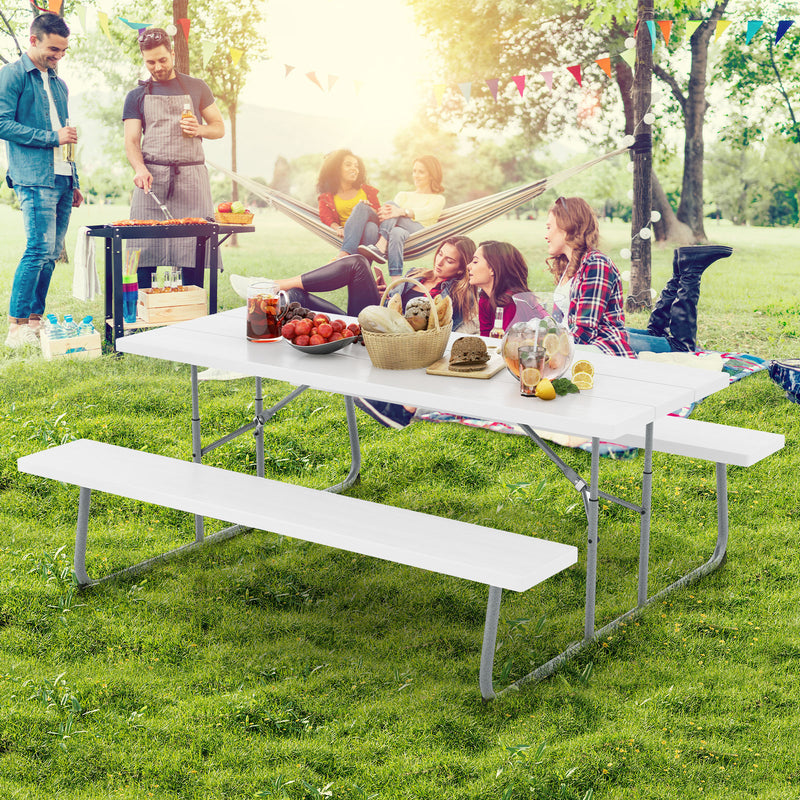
point(87, 346)
point(165, 307)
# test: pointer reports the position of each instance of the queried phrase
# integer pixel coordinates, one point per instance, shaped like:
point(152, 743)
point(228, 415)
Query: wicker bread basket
point(407, 350)
point(233, 219)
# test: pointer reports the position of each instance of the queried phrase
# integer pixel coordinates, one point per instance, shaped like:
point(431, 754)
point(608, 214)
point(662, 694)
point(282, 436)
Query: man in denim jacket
point(33, 122)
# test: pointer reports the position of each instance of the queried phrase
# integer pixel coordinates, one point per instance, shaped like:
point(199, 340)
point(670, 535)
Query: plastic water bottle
point(69, 325)
point(52, 329)
point(86, 326)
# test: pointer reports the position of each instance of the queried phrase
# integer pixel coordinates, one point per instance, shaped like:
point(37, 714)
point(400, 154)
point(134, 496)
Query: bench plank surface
point(463, 550)
point(709, 441)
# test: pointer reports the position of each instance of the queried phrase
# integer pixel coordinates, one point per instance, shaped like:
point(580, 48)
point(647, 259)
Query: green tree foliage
point(764, 76)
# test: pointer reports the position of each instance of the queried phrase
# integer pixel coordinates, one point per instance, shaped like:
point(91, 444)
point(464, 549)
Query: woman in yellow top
point(410, 211)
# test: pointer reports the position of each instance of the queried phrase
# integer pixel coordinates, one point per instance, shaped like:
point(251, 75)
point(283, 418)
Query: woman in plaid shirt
point(588, 285)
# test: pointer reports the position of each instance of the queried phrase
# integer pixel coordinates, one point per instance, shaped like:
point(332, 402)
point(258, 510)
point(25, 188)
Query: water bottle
point(86, 326)
point(52, 329)
point(69, 325)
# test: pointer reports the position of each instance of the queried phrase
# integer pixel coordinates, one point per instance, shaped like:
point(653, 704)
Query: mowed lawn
point(267, 667)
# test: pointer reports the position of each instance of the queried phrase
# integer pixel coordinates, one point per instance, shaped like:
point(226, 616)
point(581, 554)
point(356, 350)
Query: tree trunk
point(639, 297)
point(669, 228)
point(180, 10)
point(690, 210)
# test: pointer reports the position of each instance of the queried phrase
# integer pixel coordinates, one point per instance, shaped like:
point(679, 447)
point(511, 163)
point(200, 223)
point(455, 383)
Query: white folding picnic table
point(627, 398)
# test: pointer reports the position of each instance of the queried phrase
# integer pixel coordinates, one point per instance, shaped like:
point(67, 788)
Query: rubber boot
point(692, 263)
point(659, 317)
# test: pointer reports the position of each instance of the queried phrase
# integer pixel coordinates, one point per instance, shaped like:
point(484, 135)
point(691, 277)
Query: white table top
point(627, 393)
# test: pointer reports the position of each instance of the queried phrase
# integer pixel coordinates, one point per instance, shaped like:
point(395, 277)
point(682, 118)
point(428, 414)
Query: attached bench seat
point(501, 559)
point(709, 441)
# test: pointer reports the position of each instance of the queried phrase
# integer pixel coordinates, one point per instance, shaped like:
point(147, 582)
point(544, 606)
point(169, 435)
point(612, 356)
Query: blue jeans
point(396, 230)
point(45, 218)
point(642, 341)
point(361, 228)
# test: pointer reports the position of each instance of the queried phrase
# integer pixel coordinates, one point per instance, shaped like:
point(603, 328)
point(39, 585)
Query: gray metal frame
point(590, 494)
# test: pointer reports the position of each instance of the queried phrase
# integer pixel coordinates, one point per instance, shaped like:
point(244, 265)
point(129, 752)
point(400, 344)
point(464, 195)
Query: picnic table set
point(415, 360)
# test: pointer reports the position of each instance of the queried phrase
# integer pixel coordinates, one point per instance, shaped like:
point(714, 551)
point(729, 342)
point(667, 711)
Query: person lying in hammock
point(410, 212)
point(448, 276)
point(589, 288)
point(348, 205)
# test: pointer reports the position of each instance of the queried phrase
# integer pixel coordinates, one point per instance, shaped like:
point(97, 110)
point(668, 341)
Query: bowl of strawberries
point(316, 333)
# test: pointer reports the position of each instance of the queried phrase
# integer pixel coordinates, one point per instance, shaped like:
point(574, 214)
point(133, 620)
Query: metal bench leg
point(81, 531)
point(197, 448)
point(259, 430)
point(644, 521)
point(355, 448)
point(591, 549)
point(489, 642)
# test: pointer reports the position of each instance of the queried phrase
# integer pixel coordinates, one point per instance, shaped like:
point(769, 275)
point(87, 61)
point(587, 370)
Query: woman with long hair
point(348, 205)
point(447, 277)
point(409, 212)
point(498, 271)
point(588, 289)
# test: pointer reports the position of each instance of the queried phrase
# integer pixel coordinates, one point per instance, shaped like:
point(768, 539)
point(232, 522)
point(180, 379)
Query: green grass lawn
point(268, 667)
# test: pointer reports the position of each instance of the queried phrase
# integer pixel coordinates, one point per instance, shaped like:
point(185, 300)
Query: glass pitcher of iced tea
point(266, 306)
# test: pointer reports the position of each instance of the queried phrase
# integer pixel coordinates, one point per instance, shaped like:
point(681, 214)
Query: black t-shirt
point(198, 90)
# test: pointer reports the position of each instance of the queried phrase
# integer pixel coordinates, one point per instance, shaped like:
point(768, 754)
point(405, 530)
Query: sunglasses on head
point(153, 36)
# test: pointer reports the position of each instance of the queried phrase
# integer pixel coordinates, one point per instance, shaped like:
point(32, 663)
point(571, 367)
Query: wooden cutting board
point(492, 367)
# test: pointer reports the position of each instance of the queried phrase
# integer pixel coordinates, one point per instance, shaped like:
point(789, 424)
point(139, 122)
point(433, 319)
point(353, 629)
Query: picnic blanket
point(736, 365)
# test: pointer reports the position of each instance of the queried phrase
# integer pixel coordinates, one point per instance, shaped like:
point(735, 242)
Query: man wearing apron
point(166, 152)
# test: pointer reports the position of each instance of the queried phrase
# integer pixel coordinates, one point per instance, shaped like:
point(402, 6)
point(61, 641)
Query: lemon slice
point(582, 366)
point(531, 376)
point(564, 344)
point(583, 380)
point(550, 343)
point(545, 390)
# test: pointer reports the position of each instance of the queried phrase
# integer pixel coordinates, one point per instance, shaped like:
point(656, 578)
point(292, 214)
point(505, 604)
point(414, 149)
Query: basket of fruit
point(410, 337)
point(233, 213)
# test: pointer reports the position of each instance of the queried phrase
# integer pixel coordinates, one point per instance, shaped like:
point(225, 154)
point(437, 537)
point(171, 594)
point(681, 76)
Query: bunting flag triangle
point(722, 26)
point(783, 26)
point(651, 28)
point(207, 49)
point(548, 79)
point(135, 25)
point(466, 90)
point(575, 71)
point(54, 6)
point(82, 17)
point(605, 64)
point(332, 81)
point(287, 70)
point(236, 55)
point(102, 19)
point(519, 81)
point(753, 27)
point(691, 26)
point(184, 25)
point(312, 76)
point(629, 56)
point(438, 93)
point(666, 29)
point(493, 83)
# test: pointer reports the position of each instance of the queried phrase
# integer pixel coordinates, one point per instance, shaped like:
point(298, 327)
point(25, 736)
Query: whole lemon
point(545, 390)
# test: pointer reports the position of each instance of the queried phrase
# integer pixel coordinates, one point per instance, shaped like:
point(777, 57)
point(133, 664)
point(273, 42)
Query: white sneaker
point(241, 283)
point(20, 336)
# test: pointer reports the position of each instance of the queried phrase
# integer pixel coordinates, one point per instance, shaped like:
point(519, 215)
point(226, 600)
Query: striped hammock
point(454, 221)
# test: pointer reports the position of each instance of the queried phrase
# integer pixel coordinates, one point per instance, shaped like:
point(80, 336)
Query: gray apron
point(180, 181)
